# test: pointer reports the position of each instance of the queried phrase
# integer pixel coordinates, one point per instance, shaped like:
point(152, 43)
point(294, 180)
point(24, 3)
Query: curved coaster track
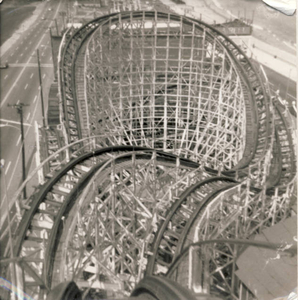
point(173, 138)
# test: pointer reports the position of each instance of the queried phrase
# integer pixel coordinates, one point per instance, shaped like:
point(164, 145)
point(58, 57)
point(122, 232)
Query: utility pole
point(19, 108)
point(41, 92)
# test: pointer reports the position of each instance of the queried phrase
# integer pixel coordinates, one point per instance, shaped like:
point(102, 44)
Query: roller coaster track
point(66, 75)
point(54, 240)
point(77, 37)
point(39, 229)
point(226, 213)
point(285, 146)
point(207, 37)
point(176, 232)
point(261, 98)
point(180, 216)
point(241, 208)
point(173, 231)
point(259, 140)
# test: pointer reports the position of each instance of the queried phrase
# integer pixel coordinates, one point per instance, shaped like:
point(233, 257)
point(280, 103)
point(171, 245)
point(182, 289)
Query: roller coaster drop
point(173, 139)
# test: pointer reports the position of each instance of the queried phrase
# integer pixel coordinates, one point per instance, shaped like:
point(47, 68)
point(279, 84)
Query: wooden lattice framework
point(166, 84)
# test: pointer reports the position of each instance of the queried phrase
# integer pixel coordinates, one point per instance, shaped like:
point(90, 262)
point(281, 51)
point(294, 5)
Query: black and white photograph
point(148, 150)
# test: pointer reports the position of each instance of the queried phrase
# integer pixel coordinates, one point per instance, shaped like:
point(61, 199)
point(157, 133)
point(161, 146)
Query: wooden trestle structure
point(172, 138)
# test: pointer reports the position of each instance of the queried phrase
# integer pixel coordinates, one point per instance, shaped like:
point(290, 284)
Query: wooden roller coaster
point(172, 138)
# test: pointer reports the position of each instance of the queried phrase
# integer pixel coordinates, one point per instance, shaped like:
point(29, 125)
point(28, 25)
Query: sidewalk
point(22, 28)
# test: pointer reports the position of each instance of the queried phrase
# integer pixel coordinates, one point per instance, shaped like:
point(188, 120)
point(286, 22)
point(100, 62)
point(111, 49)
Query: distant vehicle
point(5, 66)
point(50, 9)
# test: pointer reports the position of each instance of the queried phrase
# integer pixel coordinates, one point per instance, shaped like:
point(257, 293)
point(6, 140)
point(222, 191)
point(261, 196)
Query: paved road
point(20, 84)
